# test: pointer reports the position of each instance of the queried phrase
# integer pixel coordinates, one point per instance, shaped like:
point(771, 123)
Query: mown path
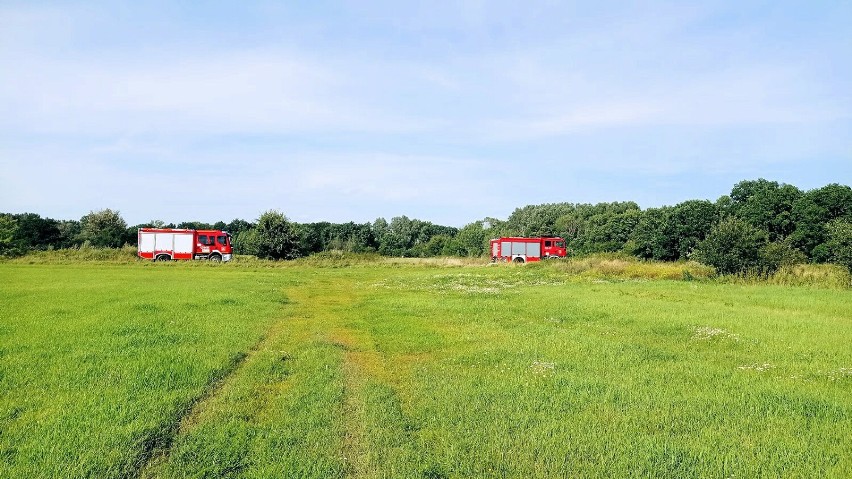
point(315, 388)
point(159, 454)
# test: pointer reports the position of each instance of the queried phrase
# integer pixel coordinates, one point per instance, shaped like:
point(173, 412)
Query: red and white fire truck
point(521, 250)
point(165, 244)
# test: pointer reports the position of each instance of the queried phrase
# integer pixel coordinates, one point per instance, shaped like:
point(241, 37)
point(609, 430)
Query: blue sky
point(443, 111)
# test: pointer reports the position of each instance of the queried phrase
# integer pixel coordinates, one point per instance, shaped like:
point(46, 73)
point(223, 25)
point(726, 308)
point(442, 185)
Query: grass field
point(329, 369)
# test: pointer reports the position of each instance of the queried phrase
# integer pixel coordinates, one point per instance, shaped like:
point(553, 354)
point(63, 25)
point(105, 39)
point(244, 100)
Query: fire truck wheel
point(216, 258)
point(519, 260)
point(162, 257)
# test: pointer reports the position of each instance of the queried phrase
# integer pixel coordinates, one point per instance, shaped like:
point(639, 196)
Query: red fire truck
point(165, 244)
point(521, 250)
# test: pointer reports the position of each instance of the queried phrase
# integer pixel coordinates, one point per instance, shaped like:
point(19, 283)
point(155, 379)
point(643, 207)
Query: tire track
point(157, 447)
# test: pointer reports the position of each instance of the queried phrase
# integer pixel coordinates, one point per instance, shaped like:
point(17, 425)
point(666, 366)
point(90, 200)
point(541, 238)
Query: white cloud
point(233, 92)
point(552, 101)
point(585, 78)
point(310, 187)
point(386, 177)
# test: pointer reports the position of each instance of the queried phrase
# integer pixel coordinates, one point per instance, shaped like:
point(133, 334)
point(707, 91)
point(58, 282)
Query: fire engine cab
point(521, 250)
point(166, 244)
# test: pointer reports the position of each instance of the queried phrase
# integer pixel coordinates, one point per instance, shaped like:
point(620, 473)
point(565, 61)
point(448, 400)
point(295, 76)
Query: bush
point(733, 246)
point(104, 229)
point(277, 238)
point(246, 242)
point(778, 254)
point(821, 254)
point(839, 243)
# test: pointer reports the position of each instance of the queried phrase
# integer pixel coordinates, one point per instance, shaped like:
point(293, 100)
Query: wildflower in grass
point(840, 374)
point(756, 367)
point(541, 367)
point(706, 333)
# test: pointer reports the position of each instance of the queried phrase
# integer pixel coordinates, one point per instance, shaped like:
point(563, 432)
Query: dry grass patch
point(631, 268)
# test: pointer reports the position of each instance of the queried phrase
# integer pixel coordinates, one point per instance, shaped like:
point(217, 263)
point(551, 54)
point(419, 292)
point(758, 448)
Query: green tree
point(839, 243)
point(691, 222)
point(237, 225)
point(380, 229)
point(246, 242)
point(362, 239)
point(8, 228)
point(195, 225)
point(653, 237)
point(399, 237)
point(596, 228)
point(277, 237)
point(537, 220)
point(814, 211)
point(724, 206)
point(572, 227)
point(105, 228)
point(312, 237)
point(610, 231)
point(324, 236)
point(69, 233)
point(472, 240)
point(436, 246)
point(766, 205)
point(35, 233)
point(732, 246)
point(350, 237)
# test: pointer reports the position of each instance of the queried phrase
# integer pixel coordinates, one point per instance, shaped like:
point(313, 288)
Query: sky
point(444, 111)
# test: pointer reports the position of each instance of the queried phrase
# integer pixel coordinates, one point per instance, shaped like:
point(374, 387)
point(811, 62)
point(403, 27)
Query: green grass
point(97, 362)
point(343, 367)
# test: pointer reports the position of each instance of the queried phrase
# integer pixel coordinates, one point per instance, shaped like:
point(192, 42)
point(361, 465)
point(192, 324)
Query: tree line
point(760, 226)
point(271, 236)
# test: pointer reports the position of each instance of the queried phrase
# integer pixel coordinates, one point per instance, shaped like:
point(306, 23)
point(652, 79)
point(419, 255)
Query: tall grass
point(625, 267)
point(77, 255)
point(819, 275)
